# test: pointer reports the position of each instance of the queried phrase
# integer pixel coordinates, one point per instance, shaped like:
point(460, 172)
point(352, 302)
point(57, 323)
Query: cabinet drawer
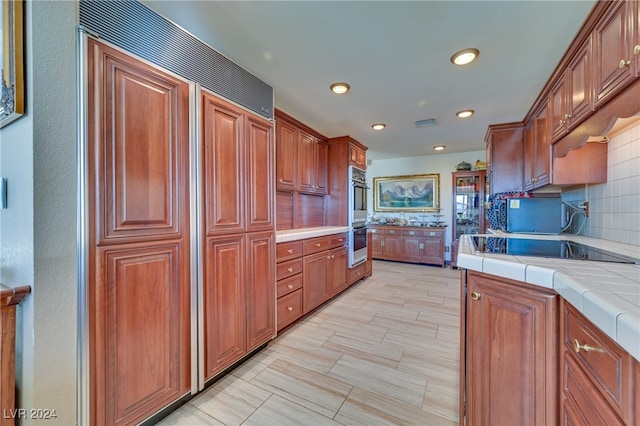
point(388, 231)
point(314, 245)
point(432, 234)
point(581, 404)
point(288, 285)
point(288, 268)
point(411, 232)
point(356, 273)
point(338, 240)
point(289, 250)
point(605, 362)
point(289, 308)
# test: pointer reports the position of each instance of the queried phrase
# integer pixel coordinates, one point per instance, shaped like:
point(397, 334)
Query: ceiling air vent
point(426, 123)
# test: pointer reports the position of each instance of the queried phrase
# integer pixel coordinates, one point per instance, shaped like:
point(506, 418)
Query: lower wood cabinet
point(238, 297)
point(597, 380)
point(509, 352)
point(408, 244)
point(309, 272)
point(529, 357)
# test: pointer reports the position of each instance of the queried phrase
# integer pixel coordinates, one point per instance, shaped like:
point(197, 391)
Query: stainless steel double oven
point(357, 216)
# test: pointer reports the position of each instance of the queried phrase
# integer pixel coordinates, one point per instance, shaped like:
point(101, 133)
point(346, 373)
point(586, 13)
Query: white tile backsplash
point(614, 206)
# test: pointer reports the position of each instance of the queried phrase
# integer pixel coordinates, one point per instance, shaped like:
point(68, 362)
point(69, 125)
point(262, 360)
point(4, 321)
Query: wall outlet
point(446, 249)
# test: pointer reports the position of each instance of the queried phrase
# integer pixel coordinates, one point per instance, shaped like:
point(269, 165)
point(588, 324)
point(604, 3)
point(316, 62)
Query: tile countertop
point(608, 294)
point(302, 233)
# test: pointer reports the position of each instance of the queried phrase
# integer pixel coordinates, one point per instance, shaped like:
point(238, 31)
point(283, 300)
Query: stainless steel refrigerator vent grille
point(139, 30)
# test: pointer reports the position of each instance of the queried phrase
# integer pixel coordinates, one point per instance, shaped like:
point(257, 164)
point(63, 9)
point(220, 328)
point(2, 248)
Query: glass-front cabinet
point(468, 207)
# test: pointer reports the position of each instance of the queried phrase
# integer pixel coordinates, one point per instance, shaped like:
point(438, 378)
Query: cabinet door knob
point(578, 347)
point(623, 63)
point(289, 308)
point(636, 49)
point(280, 180)
point(475, 295)
point(290, 269)
point(318, 244)
point(290, 286)
point(290, 251)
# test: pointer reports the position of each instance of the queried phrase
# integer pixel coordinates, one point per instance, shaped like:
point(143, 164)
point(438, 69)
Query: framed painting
point(13, 99)
point(411, 193)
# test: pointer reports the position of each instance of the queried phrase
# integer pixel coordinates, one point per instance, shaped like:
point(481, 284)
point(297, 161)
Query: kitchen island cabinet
point(597, 381)
point(586, 365)
point(510, 347)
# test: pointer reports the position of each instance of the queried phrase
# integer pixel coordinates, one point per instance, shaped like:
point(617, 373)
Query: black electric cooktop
point(560, 249)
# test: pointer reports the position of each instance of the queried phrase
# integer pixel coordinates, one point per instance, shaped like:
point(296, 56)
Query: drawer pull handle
point(318, 244)
point(290, 286)
point(475, 295)
point(289, 308)
point(339, 240)
point(290, 251)
point(623, 63)
point(578, 347)
point(290, 269)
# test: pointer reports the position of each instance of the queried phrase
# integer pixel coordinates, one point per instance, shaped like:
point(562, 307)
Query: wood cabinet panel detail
point(260, 289)
point(224, 302)
point(259, 187)
point(138, 274)
point(511, 352)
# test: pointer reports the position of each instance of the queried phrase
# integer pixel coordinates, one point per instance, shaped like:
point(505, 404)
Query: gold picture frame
point(410, 193)
point(12, 100)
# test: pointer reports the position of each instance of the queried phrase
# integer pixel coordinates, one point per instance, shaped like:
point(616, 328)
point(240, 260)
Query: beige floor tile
point(385, 352)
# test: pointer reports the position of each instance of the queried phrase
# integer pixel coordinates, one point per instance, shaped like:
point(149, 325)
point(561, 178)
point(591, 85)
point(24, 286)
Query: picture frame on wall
point(409, 193)
point(12, 100)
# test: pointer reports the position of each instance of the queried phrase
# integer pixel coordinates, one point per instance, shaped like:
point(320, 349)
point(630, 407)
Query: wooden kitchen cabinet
point(597, 382)
point(509, 355)
point(357, 156)
point(260, 289)
point(324, 270)
point(344, 151)
point(616, 50)
point(570, 99)
point(505, 158)
point(312, 165)
point(412, 244)
point(259, 188)
point(537, 150)
point(468, 203)
point(286, 155)
point(289, 285)
point(139, 246)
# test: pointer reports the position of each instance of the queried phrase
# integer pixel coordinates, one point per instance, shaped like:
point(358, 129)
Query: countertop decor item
point(463, 166)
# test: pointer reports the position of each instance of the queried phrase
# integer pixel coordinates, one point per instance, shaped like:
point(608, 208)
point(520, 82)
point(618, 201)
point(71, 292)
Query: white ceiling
point(395, 55)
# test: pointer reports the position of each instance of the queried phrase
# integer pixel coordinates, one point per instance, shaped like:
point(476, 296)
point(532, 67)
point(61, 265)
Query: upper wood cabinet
point(616, 49)
point(259, 175)
point(301, 157)
point(344, 151)
point(357, 156)
point(505, 157)
point(537, 152)
point(238, 168)
point(570, 99)
point(286, 155)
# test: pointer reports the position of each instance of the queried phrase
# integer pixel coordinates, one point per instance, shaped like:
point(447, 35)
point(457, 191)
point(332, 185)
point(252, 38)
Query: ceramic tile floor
point(385, 352)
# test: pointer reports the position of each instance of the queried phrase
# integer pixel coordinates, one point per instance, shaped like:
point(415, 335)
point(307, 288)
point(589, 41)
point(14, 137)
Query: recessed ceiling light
point(379, 126)
point(438, 147)
point(339, 88)
point(465, 56)
point(465, 113)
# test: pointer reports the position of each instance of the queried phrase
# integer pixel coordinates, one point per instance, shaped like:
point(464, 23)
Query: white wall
point(615, 205)
point(38, 230)
point(444, 164)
